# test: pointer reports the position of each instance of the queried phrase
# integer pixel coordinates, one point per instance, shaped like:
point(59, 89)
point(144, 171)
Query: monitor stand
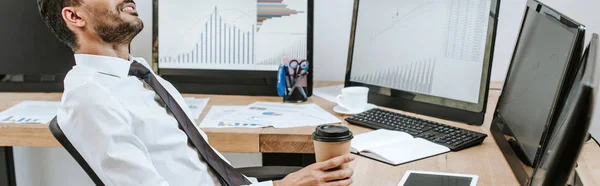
point(31, 83)
point(516, 164)
point(519, 152)
point(514, 145)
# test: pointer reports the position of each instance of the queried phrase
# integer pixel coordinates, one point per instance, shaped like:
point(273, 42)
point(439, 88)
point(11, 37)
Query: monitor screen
point(432, 53)
point(231, 46)
point(425, 47)
point(419, 179)
point(27, 46)
point(544, 51)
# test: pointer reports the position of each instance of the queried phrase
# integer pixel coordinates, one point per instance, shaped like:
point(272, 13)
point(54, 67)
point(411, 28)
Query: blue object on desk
point(282, 78)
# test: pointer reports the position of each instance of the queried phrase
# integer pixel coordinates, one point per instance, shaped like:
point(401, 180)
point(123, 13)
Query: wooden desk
point(484, 160)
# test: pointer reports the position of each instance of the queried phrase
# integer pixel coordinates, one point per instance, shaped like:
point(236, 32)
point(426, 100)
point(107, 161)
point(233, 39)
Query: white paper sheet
point(196, 105)
point(30, 112)
point(329, 93)
point(265, 114)
point(407, 151)
point(378, 137)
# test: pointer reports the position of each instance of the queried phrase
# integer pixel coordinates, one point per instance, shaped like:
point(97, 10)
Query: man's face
point(114, 21)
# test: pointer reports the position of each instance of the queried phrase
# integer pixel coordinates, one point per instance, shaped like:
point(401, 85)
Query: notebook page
point(407, 151)
point(376, 138)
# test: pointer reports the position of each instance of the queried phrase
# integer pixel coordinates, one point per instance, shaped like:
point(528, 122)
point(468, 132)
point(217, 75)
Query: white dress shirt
point(122, 130)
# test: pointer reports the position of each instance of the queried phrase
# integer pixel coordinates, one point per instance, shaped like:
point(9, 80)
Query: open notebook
point(394, 147)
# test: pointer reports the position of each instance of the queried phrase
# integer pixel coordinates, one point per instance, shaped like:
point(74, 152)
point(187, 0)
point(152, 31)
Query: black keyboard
point(454, 138)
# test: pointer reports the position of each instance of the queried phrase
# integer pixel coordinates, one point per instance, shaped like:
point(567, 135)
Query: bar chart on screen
point(414, 77)
point(220, 43)
point(231, 34)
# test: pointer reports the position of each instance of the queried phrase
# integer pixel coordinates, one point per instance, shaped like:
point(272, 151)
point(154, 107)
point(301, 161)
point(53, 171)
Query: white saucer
point(341, 110)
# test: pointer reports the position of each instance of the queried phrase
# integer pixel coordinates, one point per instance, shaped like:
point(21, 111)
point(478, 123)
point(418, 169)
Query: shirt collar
point(105, 64)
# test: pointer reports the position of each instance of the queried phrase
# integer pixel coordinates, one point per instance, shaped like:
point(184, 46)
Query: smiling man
point(131, 126)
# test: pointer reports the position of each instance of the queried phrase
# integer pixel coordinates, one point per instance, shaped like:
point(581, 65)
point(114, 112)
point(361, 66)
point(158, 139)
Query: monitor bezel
point(229, 82)
point(426, 108)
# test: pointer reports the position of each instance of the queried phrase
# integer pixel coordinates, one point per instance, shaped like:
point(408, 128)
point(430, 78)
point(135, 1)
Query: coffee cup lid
point(332, 133)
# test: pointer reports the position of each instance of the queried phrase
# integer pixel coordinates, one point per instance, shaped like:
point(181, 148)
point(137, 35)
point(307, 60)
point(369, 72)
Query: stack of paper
point(30, 112)
point(265, 114)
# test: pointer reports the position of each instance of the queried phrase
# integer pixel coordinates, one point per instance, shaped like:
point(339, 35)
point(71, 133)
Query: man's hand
point(317, 174)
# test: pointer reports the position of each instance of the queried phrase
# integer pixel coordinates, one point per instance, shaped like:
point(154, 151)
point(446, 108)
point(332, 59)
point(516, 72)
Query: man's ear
point(72, 17)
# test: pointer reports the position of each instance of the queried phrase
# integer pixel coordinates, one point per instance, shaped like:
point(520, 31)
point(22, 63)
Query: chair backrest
point(64, 141)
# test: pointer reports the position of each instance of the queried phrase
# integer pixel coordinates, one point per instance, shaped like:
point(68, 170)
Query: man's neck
point(119, 51)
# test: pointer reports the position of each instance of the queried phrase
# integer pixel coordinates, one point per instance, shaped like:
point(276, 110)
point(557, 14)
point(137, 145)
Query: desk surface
point(485, 160)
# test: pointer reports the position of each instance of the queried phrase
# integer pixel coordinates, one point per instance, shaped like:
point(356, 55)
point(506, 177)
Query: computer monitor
point(558, 159)
point(231, 47)
point(31, 57)
point(543, 65)
point(428, 57)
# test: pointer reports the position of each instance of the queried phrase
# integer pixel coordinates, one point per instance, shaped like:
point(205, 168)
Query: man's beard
point(112, 29)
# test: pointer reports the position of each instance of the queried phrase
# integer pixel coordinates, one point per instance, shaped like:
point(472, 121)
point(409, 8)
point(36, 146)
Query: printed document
point(30, 112)
point(265, 114)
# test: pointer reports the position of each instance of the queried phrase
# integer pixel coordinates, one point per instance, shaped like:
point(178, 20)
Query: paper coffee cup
point(331, 141)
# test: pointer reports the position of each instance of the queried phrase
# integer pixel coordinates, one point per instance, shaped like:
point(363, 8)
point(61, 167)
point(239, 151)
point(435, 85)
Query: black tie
point(227, 174)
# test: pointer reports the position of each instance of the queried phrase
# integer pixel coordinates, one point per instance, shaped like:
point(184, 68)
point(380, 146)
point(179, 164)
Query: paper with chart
point(231, 34)
point(285, 115)
point(222, 117)
point(30, 112)
point(196, 105)
point(265, 114)
point(432, 47)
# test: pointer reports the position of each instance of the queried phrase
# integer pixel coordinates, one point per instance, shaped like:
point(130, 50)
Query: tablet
point(420, 178)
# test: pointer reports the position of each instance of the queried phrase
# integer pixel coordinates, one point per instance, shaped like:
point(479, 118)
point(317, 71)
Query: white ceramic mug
point(353, 98)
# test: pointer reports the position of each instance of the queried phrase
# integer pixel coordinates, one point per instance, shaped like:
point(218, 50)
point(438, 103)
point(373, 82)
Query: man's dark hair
point(51, 12)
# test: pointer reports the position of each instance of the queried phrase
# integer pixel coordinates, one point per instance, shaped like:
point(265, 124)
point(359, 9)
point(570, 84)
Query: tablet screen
point(429, 179)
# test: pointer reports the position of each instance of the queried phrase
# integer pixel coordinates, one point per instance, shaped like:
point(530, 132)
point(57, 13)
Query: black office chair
point(260, 173)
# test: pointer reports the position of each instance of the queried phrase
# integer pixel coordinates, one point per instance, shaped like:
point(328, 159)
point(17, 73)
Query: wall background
point(54, 167)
